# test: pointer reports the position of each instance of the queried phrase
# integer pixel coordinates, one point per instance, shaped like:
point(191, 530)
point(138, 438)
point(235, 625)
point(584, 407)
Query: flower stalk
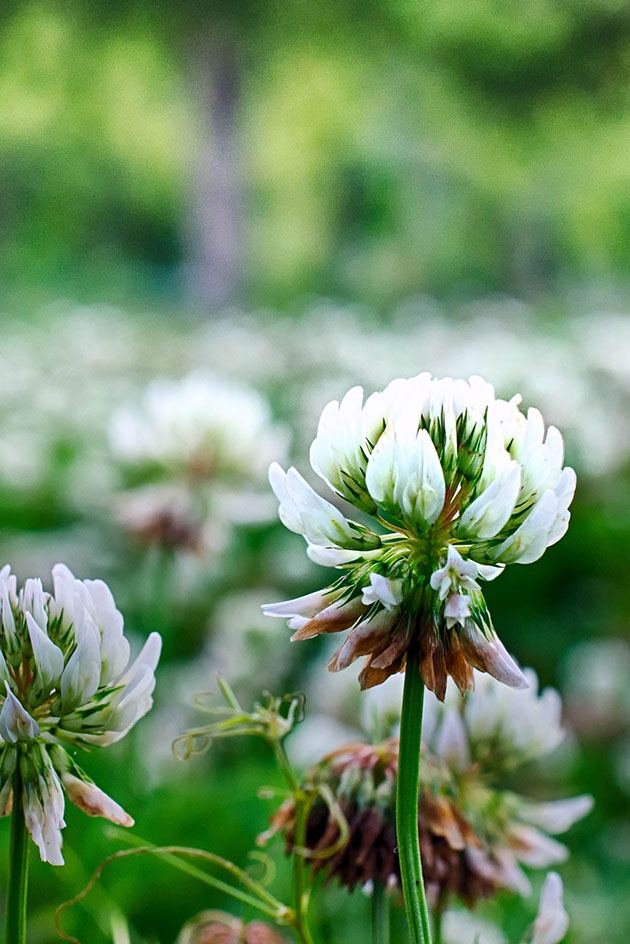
point(380, 915)
point(18, 868)
point(407, 799)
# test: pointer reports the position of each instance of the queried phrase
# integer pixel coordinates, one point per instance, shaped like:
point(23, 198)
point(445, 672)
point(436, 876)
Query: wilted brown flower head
point(217, 927)
point(473, 836)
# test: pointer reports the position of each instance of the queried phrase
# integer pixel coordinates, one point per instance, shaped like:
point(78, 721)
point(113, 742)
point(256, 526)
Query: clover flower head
point(66, 683)
point(452, 484)
point(201, 426)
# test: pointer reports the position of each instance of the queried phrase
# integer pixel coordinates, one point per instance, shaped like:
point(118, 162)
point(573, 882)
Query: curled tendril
point(268, 865)
point(326, 794)
point(265, 902)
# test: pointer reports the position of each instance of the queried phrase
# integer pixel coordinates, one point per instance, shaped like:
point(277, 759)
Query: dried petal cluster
point(66, 683)
point(475, 835)
point(457, 484)
point(217, 927)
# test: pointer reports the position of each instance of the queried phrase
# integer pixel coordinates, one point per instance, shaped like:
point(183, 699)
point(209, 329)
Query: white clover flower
point(200, 426)
point(492, 730)
point(194, 453)
point(67, 684)
point(458, 484)
point(524, 724)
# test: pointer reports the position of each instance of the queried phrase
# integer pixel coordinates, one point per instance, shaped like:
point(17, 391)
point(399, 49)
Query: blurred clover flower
point(187, 442)
point(217, 927)
point(66, 684)
point(550, 926)
point(458, 483)
point(475, 835)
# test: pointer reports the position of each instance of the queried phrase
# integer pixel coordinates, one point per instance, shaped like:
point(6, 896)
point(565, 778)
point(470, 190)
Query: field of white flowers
point(134, 448)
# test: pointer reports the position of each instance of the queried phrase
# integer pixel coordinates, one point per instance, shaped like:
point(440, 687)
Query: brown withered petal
point(370, 853)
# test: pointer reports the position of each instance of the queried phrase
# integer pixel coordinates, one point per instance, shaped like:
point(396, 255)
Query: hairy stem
point(380, 915)
point(15, 932)
point(407, 803)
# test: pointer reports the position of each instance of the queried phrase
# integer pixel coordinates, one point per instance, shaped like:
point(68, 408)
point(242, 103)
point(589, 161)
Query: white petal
point(451, 743)
point(48, 657)
point(529, 541)
point(308, 605)
point(552, 921)
point(557, 816)
point(535, 849)
point(491, 511)
point(382, 590)
point(15, 722)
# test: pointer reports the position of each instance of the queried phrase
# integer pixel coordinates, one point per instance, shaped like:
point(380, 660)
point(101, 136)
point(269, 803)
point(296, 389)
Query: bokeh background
point(295, 198)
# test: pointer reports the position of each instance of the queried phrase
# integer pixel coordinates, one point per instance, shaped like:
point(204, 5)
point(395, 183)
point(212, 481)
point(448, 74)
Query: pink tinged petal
point(490, 655)
point(491, 511)
point(558, 815)
point(338, 616)
point(93, 801)
point(535, 849)
point(503, 869)
point(15, 722)
point(451, 743)
point(308, 605)
point(362, 640)
point(552, 920)
point(48, 657)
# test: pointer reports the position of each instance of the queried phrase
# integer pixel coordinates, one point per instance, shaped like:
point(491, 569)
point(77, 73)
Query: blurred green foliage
point(446, 147)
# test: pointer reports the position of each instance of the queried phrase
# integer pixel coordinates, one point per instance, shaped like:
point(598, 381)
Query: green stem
point(18, 867)
point(300, 889)
point(438, 914)
point(407, 803)
point(380, 915)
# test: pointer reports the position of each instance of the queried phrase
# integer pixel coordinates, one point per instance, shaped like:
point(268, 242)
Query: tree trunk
point(215, 212)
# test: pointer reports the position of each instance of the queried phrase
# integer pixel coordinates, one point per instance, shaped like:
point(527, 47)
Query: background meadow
point(294, 199)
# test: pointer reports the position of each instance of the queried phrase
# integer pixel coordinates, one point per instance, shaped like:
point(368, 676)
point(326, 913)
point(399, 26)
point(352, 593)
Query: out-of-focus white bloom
point(552, 921)
point(195, 451)
point(526, 724)
point(463, 483)
point(596, 687)
point(550, 926)
point(202, 426)
point(492, 730)
point(464, 927)
point(316, 736)
point(68, 684)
